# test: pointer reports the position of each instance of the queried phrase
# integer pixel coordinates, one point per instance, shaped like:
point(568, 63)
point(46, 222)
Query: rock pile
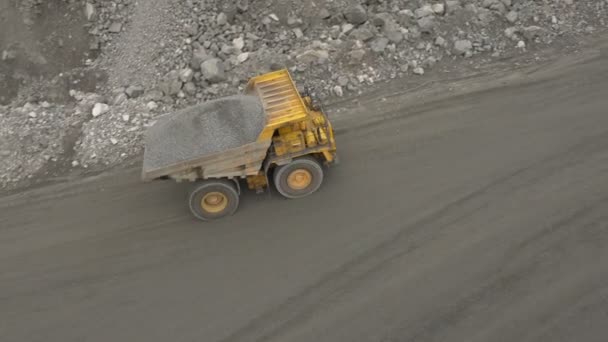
point(108, 19)
point(32, 137)
point(225, 43)
point(174, 53)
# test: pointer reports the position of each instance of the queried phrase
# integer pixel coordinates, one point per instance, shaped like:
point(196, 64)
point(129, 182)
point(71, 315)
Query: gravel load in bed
point(204, 129)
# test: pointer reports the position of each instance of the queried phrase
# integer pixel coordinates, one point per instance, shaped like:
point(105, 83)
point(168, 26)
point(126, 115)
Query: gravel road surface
point(480, 216)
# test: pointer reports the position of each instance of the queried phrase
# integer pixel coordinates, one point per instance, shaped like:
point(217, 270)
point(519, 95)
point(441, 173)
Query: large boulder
point(463, 46)
point(213, 70)
point(355, 15)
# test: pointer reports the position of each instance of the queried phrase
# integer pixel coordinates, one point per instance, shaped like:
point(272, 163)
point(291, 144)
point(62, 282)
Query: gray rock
point(485, 16)
point(418, 71)
point(510, 32)
point(438, 8)
point(382, 19)
point(151, 105)
point(427, 24)
point(242, 5)
point(213, 70)
point(440, 41)
point(293, 21)
point(324, 13)
point(242, 57)
point(119, 99)
point(171, 84)
point(495, 5)
point(221, 19)
point(90, 11)
point(198, 56)
point(192, 29)
point(405, 18)
point(343, 81)
point(424, 11)
point(452, 6)
point(346, 28)
point(531, 32)
point(335, 32)
point(189, 88)
point(394, 35)
point(379, 44)
point(186, 74)
point(363, 34)
point(227, 49)
point(313, 56)
point(429, 62)
point(134, 91)
point(154, 95)
point(238, 43)
point(355, 15)
point(357, 55)
point(8, 55)
point(94, 43)
point(463, 46)
point(338, 91)
point(115, 27)
point(470, 7)
point(99, 109)
point(335, 19)
point(512, 17)
point(229, 8)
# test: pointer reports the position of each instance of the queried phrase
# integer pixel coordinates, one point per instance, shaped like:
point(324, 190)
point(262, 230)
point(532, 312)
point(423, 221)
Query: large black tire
point(213, 199)
point(308, 169)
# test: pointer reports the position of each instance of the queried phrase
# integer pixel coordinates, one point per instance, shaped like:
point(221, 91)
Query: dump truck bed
point(227, 137)
point(216, 136)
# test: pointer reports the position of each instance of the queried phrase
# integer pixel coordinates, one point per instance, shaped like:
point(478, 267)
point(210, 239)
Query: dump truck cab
point(271, 134)
point(294, 126)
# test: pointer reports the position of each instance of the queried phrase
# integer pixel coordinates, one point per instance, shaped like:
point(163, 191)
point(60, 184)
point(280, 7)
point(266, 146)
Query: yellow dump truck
point(271, 132)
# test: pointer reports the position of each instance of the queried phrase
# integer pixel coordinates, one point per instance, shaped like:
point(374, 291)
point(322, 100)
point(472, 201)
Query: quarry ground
point(479, 216)
point(470, 203)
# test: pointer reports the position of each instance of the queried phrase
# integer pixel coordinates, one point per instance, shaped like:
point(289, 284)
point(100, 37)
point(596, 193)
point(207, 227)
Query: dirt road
point(477, 217)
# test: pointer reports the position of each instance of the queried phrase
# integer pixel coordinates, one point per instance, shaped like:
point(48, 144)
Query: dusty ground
point(44, 50)
point(472, 210)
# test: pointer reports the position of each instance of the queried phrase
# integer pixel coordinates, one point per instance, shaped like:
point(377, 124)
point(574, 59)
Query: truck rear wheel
point(213, 199)
point(299, 178)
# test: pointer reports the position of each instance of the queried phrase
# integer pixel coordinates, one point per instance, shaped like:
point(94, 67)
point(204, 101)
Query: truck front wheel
point(299, 178)
point(214, 199)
